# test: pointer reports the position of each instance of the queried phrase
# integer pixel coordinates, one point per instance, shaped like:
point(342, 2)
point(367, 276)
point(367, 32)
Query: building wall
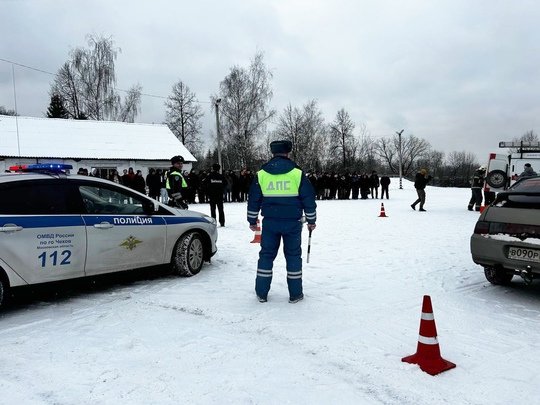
point(119, 165)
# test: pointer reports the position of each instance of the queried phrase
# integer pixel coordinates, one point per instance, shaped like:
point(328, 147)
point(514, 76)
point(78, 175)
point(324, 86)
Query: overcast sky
point(462, 74)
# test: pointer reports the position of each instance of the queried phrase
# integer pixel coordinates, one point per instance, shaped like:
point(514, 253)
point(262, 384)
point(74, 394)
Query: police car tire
point(497, 276)
point(496, 178)
point(3, 292)
point(188, 255)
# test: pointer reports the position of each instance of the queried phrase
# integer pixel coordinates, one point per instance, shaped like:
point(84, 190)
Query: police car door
point(42, 235)
point(120, 236)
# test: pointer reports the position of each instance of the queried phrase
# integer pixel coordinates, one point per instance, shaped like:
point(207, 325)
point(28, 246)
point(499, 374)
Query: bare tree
point(131, 106)
point(413, 149)
point(245, 95)
point(305, 128)
point(459, 167)
point(366, 155)
point(5, 111)
point(342, 139)
point(183, 116)
point(529, 136)
point(87, 82)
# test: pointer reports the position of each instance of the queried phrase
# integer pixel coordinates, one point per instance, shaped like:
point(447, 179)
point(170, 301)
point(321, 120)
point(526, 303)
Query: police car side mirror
point(149, 207)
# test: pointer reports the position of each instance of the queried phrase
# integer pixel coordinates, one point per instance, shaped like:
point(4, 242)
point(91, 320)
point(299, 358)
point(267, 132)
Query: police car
point(56, 226)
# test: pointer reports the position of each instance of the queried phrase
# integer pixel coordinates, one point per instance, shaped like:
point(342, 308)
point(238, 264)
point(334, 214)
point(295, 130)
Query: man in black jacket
point(420, 182)
point(477, 183)
point(215, 186)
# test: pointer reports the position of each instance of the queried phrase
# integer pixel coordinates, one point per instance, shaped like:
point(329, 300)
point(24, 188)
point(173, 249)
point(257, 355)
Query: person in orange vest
point(283, 193)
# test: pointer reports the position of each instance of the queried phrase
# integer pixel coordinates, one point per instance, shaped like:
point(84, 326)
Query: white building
point(101, 145)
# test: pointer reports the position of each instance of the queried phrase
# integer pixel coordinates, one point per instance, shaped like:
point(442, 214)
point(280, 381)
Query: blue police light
point(42, 167)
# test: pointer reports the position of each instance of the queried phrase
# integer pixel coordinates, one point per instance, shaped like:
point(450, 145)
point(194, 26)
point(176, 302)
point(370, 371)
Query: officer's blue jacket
point(287, 208)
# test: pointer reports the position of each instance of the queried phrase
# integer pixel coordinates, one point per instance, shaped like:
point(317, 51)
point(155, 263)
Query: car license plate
point(530, 255)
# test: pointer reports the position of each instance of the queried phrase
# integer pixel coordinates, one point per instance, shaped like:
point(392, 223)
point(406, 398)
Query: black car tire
point(188, 255)
point(3, 291)
point(497, 275)
point(496, 179)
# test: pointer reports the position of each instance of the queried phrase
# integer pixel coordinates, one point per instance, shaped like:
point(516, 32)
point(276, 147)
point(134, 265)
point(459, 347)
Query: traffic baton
point(309, 245)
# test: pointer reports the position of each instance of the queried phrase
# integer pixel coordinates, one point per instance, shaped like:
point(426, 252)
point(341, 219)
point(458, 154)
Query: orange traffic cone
point(428, 354)
point(257, 236)
point(382, 214)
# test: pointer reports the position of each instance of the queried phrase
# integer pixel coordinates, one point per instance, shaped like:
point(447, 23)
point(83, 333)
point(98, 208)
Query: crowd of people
point(235, 188)
point(327, 185)
point(342, 186)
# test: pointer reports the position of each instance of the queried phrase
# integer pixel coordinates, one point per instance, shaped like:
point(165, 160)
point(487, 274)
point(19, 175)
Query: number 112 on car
point(55, 258)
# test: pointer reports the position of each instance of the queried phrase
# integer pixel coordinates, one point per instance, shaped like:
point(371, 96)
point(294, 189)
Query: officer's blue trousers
point(273, 230)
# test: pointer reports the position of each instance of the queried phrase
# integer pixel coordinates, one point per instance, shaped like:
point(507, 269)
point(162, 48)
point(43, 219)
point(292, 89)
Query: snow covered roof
point(86, 139)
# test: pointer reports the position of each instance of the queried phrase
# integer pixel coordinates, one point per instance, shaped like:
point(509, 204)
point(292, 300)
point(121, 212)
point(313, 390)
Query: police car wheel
point(188, 255)
point(497, 276)
point(3, 292)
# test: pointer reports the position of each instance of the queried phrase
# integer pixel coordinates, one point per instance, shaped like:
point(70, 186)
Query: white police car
point(55, 226)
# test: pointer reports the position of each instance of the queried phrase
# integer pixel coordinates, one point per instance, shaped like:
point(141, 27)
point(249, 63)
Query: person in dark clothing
point(420, 182)
point(128, 178)
point(364, 184)
point(374, 184)
point(138, 183)
point(153, 181)
point(282, 192)
point(114, 177)
point(385, 183)
point(477, 183)
point(215, 185)
point(528, 171)
point(355, 185)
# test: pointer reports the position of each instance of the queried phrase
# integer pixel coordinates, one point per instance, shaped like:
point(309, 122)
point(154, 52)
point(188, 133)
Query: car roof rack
point(522, 146)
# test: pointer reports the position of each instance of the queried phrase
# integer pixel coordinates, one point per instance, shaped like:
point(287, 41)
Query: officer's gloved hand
point(181, 204)
point(311, 227)
point(253, 227)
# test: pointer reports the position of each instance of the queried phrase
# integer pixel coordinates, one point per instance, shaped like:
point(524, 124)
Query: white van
point(503, 170)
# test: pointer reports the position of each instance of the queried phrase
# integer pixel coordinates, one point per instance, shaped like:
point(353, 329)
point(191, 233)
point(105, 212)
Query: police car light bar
point(41, 167)
point(519, 144)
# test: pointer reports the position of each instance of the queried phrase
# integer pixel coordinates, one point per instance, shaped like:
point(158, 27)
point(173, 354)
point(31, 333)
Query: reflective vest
point(280, 185)
point(175, 173)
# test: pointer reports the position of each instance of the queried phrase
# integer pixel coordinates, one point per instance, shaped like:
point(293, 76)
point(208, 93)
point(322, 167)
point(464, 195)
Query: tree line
point(84, 88)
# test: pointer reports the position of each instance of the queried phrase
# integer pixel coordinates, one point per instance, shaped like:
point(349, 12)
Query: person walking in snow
point(420, 182)
point(282, 192)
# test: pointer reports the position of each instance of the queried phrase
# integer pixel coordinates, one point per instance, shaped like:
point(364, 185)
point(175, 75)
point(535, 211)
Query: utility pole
point(400, 160)
point(218, 135)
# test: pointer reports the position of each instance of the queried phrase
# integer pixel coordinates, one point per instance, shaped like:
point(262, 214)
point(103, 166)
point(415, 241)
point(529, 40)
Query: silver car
point(55, 226)
point(506, 238)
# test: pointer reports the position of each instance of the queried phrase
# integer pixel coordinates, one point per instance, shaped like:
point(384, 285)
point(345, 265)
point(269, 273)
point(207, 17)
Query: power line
point(55, 74)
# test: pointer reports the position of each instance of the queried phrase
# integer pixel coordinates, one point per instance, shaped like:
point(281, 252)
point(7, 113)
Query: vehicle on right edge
point(506, 238)
point(503, 169)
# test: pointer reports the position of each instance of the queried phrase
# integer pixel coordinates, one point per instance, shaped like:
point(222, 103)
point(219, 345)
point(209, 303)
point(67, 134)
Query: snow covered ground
point(207, 340)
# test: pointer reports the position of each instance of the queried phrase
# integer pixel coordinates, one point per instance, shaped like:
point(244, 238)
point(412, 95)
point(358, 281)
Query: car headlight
point(211, 220)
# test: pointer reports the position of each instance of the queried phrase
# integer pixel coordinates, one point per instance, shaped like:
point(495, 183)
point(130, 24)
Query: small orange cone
point(382, 214)
point(428, 354)
point(257, 237)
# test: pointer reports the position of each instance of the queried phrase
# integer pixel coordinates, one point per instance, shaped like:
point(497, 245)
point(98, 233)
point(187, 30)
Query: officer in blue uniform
point(282, 193)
